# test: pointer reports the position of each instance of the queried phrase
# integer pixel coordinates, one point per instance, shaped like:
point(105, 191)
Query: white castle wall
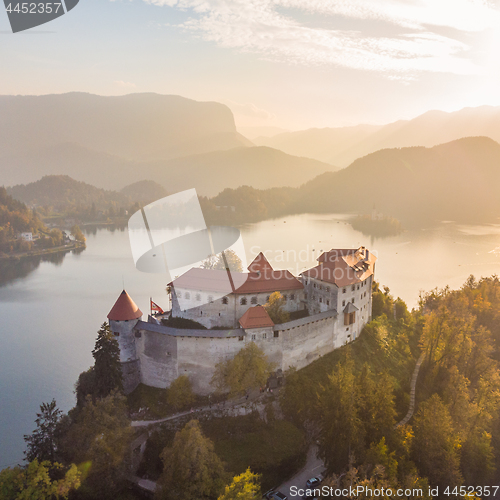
point(163, 356)
point(217, 314)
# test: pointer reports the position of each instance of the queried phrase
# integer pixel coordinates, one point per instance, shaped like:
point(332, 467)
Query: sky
point(292, 64)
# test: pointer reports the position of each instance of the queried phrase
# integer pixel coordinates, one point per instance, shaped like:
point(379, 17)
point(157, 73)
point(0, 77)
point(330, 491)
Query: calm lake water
point(50, 313)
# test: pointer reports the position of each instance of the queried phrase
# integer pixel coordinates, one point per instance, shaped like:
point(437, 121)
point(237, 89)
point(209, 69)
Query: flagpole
point(151, 306)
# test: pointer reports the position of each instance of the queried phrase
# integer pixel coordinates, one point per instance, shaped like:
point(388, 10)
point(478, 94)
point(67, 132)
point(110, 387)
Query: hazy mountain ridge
point(210, 173)
point(61, 191)
point(343, 145)
point(420, 186)
point(134, 126)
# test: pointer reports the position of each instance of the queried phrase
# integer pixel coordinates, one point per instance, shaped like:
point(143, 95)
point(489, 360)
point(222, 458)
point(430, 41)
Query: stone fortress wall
point(163, 353)
point(155, 354)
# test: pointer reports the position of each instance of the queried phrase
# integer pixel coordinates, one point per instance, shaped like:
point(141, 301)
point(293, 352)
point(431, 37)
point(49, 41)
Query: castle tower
point(123, 317)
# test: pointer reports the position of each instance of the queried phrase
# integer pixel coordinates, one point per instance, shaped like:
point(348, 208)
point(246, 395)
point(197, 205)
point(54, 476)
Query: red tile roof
point(343, 267)
point(260, 264)
point(124, 309)
point(256, 317)
point(263, 280)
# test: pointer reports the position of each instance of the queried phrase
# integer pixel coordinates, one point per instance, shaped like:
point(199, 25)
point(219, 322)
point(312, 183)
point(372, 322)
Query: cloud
point(121, 83)
point(277, 30)
point(250, 110)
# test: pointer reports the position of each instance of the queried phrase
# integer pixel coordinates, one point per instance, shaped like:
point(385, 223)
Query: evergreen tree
point(107, 367)
point(41, 443)
point(192, 470)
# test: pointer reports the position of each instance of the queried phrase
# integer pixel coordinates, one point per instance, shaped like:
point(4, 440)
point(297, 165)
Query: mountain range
point(456, 181)
point(111, 142)
point(341, 146)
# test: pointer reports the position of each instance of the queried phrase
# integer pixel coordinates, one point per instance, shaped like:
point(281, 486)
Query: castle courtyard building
point(335, 296)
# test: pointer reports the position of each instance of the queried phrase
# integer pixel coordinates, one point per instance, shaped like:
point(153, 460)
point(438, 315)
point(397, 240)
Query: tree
point(436, 445)
point(249, 369)
point(246, 486)
point(341, 429)
point(34, 482)
point(41, 443)
point(98, 437)
point(77, 233)
point(180, 393)
point(107, 366)
point(275, 307)
point(192, 470)
point(85, 386)
point(217, 261)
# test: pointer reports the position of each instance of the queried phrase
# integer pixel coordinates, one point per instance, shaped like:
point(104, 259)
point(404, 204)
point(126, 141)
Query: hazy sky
point(285, 63)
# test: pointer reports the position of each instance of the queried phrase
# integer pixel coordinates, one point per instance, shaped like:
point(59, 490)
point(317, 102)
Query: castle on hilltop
point(335, 297)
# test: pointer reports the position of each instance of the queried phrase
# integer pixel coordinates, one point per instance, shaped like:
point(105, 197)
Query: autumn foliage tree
point(249, 369)
point(275, 307)
point(192, 470)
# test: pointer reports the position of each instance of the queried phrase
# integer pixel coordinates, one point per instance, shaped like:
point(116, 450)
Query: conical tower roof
point(124, 309)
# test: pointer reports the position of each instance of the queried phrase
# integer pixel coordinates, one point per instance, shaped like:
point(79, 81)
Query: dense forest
point(60, 195)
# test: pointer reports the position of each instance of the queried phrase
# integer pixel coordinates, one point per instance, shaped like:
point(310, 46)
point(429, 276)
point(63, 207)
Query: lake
point(51, 310)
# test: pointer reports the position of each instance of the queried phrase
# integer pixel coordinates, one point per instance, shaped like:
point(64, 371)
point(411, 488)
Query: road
point(313, 467)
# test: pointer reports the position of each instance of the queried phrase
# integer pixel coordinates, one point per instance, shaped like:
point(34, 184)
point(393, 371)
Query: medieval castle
point(336, 294)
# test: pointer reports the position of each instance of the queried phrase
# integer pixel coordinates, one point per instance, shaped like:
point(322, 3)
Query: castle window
point(343, 303)
point(264, 335)
point(321, 299)
point(343, 290)
point(224, 300)
point(349, 318)
point(327, 302)
point(362, 284)
point(169, 353)
point(243, 301)
point(327, 288)
point(117, 334)
point(353, 288)
point(254, 300)
point(253, 336)
point(285, 297)
point(357, 287)
point(276, 335)
point(305, 296)
point(198, 297)
point(292, 297)
point(314, 285)
point(187, 295)
point(201, 313)
point(352, 300)
point(321, 287)
point(240, 338)
point(210, 299)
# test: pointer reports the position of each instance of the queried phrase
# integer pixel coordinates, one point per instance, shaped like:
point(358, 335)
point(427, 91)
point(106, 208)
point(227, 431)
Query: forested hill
point(15, 217)
point(63, 193)
point(455, 181)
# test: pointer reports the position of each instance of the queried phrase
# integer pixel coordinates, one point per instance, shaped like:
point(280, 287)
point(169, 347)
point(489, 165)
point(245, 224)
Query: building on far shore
point(335, 297)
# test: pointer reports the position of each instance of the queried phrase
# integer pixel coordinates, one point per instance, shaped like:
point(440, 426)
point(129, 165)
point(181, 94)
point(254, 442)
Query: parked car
point(275, 495)
point(314, 482)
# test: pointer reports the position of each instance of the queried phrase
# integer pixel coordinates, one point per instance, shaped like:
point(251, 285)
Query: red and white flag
point(156, 308)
